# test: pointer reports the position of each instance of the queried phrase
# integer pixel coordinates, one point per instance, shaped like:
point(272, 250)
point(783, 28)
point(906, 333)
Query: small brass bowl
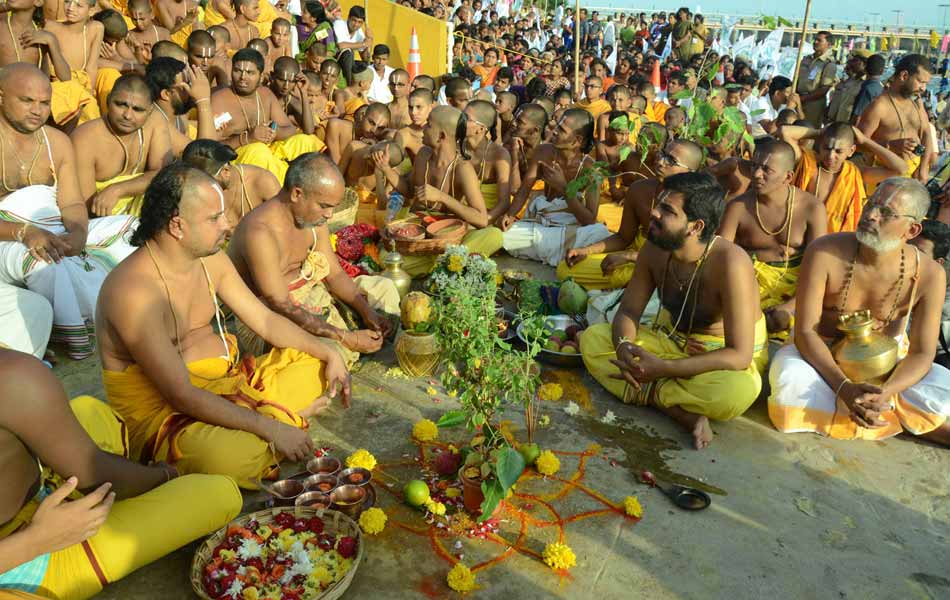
point(320, 483)
point(514, 276)
point(324, 465)
point(348, 499)
point(313, 500)
point(355, 476)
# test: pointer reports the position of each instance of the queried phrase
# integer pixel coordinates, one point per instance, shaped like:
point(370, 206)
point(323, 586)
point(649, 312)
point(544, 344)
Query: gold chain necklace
point(788, 215)
point(23, 166)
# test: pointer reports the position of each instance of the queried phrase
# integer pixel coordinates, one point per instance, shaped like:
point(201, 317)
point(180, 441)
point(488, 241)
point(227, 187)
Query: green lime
point(416, 492)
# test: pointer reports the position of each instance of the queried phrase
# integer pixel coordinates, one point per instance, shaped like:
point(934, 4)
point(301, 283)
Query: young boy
point(80, 40)
point(278, 43)
point(179, 17)
point(115, 55)
point(505, 104)
point(242, 28)
point(145, 33)
point(619, 152)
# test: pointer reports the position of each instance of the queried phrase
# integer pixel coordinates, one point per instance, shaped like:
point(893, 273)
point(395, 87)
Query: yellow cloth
point(719, 395)
point(274, 157)
point(596, 108)
point(127, 205)
point(846, 198)
point(608, 212)
point(656, 112)
point(485, 241)
point(138, 530)
point(264, 22)
point(180, 37)
point(490, 194)
point(277, 385)
point(778, 281)
point(588, 273)
point(105, 79)
point(367, 209)
point(352, 105)
point(71, 98)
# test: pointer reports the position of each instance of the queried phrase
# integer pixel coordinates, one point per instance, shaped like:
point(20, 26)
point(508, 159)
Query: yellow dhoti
point(610, 214)
point(274, 157)
point(589, 274)
point(105, 79)
point(71, 98)
point(351, 106)
point(127, 205)
point(845, 199)
point(778, 281)
point(485, 241)
point(180, 37)
point(367, 210)
point(137, 531)
point(489, 194)
point(277, 385)
point(719, 395)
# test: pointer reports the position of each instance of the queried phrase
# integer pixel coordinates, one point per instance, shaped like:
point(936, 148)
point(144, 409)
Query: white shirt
point(379, 91)
point(342, 33)
point(769, 113)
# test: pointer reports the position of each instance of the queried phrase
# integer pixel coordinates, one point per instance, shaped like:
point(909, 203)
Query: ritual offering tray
point(317, 489)
point(244, 554)
point(562, 347)
point(411, 237)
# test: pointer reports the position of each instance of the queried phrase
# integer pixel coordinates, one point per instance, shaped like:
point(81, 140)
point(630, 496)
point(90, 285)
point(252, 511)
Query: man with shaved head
point(184, 391)
point(290, 88)
point(169, 49)
point(609, 263)
point(370, 124)
point(593, 101)
point(872, 269)
point(827, 172)
point(458, 92)
point(424, 82)
point(420, 105)
point(526, 134)
point(202, 54)
point(49, 245)
point(349, 99)
point(399, 106)
point(774, 222)
point(130, 150)
point(282, 251)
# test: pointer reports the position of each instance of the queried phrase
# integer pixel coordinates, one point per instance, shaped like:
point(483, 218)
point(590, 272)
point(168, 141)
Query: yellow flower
point(333, 241)
point(373, 520)
point(632, 506)
point(452, 493)
point(499, 279)
point(361, 458)
point(251, 593)
point(595, 448)
point(436, 508)
point(264, 531)
point(461, 578)
point(431, 391)
point(559, 556)
point(227, 555)
point(551, 391)
point(547, 463)
point(456, 263)
point(425, 431)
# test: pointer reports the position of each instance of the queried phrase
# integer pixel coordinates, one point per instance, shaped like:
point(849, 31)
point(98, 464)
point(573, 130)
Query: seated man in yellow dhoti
point(253, 122)
point(290, 86)
point(366, 183)
point(609, 263)
point(203, 54)
point(555, 222)
point(897, 119)
point(245, 187)
point(443, 184)
point(50, 245)
point(80, 39)
point(593, 101)
point(525, 135)
point(872, 269)
point(131, 514)
point(179, 17)
point(283, 252)
point(176, 89)
point(349, 99)
point(490, 159)
point(421, 103)
point(129, 150)
point(371, 125)
point(217, 12)
point(185, 394)
point(700, 359)
point(774, 222)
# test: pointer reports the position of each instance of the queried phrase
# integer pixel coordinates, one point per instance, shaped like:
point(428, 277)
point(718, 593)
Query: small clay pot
point(446, 228)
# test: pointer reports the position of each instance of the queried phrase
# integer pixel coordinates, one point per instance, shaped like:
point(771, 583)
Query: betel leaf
point(757, 112)
point(509, 466)
point(625, 152)
point(493, 493)
point(453, 418)
point(713, 71)
point(574, 187)
point(682, 95)
point(621, 123)
point(748, 137)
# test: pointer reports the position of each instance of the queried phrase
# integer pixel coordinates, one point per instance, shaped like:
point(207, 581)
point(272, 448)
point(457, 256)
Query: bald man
point(290, 86)
point(421, 102)
point(202, 54)
point(609, 263)
point(490, 159)
point(371, 123)
point(169, 49)
point(827, 172)
point(176, 381)
point(252, 120)
point(349, 99)
point(366, 181)
point(399, 106)
point(130, 150)
point(775, 222)
point(46, 230)
point(593, 101)
point(285, 257)
point(526, 134)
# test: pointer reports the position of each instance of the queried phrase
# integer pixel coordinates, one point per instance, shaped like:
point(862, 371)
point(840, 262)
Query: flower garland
point(356, 249)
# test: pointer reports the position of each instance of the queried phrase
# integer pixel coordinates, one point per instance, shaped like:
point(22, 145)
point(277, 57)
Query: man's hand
point(429, 197)
point(554, 176)
point(291, 442)
point(108, 52)
point(793, 101)
point(104, 201)
point(195, 83)
point(506, 221)
point(338, 379)
point(37, 37)
point(575, 255)
point(614, 261)
point(364, 341)
point(379, 323)
point(866, 403)
point(641, 365)
point(75, 242)
point(381, 158)
point(45, 246)
point(59, 524)
point(263, 133)
point(903, 147)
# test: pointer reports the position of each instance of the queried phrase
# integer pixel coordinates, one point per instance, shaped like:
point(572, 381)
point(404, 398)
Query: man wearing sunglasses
point(593, 102)
point(873, 269)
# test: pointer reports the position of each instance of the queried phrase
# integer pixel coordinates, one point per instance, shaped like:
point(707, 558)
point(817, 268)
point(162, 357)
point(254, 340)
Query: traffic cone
point(414, 64)
point(655, 76)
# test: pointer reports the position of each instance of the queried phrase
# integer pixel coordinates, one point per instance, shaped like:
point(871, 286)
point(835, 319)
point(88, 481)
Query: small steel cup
point(324, 465)
point(313, 500)
point(284, 492)
point(348, 499)
point(320, 483)
point(355, 476)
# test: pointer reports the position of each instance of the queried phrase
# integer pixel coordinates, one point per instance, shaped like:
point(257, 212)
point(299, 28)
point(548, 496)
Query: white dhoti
point(802, 401)
point(72, 285)
point(27, 320)
point(548, 231)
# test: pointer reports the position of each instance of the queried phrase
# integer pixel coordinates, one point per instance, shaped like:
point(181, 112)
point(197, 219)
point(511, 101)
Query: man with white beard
point(875, 269)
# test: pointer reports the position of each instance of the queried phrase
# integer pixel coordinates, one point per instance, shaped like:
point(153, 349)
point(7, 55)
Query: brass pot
point(418, 353)
point(864, 355)
point(395, 272)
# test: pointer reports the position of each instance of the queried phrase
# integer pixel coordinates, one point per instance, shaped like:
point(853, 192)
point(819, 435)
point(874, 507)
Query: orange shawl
point(846, 198)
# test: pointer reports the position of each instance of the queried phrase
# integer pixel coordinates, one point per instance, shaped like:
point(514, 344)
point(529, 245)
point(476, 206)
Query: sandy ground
point(800, 516)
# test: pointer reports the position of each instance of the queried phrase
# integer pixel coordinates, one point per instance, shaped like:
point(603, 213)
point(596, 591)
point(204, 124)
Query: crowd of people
point(170, 169)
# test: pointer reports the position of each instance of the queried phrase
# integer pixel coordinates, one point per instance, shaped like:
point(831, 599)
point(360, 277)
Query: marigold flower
point(425, 431)
point(551, 391)
point(461, 578)
point(431, 391)
point(559, 556)
point(373, 520)
point(455, 263)
point(547, 463)
point(436, 508)
point(632, 507)
point(361, 459)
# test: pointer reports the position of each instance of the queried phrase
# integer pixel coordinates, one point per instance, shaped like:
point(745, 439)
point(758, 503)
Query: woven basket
point(418, 354)
point(334, 522)
point(426, 247)
point(344, 214)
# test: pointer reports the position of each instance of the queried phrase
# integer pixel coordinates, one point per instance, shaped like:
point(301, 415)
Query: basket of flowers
point(357, 250)
point(280, 553)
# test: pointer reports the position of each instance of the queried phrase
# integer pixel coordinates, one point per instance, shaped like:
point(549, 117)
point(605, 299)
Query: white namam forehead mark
point(206, 52)
point(220, 192)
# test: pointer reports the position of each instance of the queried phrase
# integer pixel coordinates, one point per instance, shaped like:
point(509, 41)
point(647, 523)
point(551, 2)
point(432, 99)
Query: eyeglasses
point(671, 160)
point(886, 213)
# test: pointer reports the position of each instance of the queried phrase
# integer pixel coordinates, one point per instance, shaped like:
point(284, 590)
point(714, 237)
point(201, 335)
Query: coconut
point(572, 299)
point(415, 310)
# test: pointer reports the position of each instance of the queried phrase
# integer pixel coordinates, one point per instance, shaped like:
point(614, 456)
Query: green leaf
point(574, 187)
point(453, 418)
point(625, 152)
point(682, 95)
point(494, 494)
point(509, 467)
point(748, 137)
point(713, 71)
point(756, 113)
point(620, 123)
point(478, 419)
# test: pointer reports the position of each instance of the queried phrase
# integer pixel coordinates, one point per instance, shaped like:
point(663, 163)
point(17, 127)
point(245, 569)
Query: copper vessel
point(864, 355)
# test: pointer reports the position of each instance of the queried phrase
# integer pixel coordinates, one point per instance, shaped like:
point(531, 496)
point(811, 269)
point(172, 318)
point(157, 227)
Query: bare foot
point(702, 433)
point(319, 405)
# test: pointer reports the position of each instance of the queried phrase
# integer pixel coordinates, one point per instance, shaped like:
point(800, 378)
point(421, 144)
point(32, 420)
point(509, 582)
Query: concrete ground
point(798, 516)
